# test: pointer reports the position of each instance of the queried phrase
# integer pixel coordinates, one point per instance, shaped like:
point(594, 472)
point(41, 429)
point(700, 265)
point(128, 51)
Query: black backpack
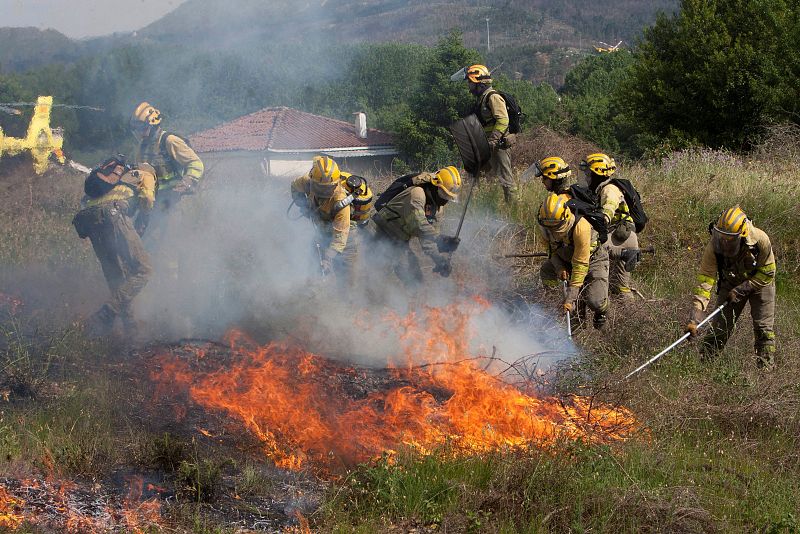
point(515, 113)
point(397, 187)
point(99, 182)
point(634, 202)
point(583, 203)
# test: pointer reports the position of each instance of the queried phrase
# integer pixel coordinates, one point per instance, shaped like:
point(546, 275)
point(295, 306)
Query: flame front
point(299, 405)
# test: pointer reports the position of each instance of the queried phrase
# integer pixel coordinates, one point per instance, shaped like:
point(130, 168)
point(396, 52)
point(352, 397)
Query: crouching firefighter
point(115, 214)
point(740, 260)
point(328, 204)
point(411, 207)
point(575, 255)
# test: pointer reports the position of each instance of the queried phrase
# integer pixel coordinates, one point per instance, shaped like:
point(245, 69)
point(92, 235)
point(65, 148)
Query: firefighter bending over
point(412, 207)
point(116, 210)
point(178, 168)
point(326, 201)
point(576, 255)
point(739, 259)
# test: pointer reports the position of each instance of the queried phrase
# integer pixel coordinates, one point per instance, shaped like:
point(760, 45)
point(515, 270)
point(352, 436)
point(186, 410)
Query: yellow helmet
point(147, 114)
point(479, 74)
point(600, 164)
point(554, 211)
point(448, 180)
point(553, 168)
point(732, 222)
point(324, 170)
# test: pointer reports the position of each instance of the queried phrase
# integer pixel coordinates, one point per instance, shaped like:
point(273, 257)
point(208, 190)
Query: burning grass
point(311, 411)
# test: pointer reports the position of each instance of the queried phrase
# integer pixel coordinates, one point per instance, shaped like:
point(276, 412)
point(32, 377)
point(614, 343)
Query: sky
point(84, 18)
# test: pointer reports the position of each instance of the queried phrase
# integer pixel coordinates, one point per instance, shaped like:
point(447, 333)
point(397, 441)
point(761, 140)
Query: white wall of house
point(289, 168)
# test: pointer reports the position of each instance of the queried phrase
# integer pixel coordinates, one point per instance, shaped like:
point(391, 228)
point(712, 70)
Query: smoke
point(229, 257)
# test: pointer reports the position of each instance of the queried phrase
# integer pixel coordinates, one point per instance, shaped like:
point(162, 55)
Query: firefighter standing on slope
point(599, 169)
point(415, 211)
point(493, 115)
point(178, 168)
point(740, 260)
point(576, 255)
point(321, 193)
point(115, 194)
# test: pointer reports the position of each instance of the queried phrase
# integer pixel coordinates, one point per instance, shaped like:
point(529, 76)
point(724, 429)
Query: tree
point(716, 72)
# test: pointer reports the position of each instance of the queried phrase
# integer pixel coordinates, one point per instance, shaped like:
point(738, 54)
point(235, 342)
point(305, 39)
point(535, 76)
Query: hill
point(26, 48)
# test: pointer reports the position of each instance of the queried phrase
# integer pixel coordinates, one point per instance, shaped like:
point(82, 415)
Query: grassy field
point(719, 449)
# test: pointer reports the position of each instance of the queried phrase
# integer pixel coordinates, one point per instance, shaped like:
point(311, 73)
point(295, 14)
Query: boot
point(508, 195)
point(599, 320)
point(101, 322)
point(764, 361)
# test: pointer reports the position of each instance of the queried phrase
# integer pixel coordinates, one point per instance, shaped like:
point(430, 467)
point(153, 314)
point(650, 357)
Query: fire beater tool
point(675, 344)
point(319, 254)
point(569, 318)
point(527, 255)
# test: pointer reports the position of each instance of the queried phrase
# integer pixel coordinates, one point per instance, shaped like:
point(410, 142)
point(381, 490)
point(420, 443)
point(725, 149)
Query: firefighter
point(740, 260)
point(359, 197)
point(114, 216)
point(178, 168)
point(493, 115)
point(622, 239)
point(555, 174)
point(575, 255)
point(321, 194)
point(412, 207)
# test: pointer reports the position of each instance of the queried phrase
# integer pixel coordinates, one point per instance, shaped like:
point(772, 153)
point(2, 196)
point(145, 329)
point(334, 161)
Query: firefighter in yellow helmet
point(492, 113)
point(324, 198)
point(178, 168)
point(114, 215)
point(622, 242)
point(575, 254)
point(556, 175)
point(412, 207)
point(359, 197)
point(740, 260)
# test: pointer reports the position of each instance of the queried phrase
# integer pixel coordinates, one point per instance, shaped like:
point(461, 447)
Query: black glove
point(740, 292)
point(443, 268)
point(630, 258)
point(185, 186)
point(495, 139)
point(447, 244)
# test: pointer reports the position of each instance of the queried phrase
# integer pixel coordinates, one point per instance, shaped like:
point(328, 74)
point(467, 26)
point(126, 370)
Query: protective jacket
point(576, 244)
point(171, 157)
point(754, 262)
point(323, 211)
point(492, 111)
point(413, 213)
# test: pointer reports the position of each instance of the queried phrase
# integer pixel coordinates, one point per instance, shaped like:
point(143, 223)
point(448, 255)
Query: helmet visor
point(446, 195)
point(459, 76)
point(725, 243)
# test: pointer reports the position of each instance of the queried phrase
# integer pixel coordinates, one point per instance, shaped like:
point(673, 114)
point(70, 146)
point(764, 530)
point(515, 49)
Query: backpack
point(634, 202)
point(515, 113)
point(583, 203)
point(396, 187)
point(96, 185)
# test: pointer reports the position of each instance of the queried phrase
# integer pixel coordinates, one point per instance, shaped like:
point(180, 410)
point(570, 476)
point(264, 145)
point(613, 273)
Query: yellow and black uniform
point(333, 222)
point(575, 250)
point(415, 212)
point(177, 166)
point(621, 236)
point(493, 114)
point(746, 275)
point(108, 221)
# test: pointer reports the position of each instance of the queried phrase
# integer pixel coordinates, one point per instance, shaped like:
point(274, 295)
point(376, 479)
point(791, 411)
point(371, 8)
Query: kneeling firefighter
point(115, 214)
point(327, 203)
point(575, 255)
point(740, 260)
point(412, 207)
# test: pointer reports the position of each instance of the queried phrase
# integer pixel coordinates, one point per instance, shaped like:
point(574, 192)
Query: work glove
point(507, 141)
point(185, 186)
point(495, 139)
point(695, 317)
point(326, 266)
point(141, 222)
point(443, 268)
point(570, 296)
point(447, 244)
point(740, 292)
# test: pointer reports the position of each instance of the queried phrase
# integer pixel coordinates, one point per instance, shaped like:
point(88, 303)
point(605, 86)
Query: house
point(282, 142)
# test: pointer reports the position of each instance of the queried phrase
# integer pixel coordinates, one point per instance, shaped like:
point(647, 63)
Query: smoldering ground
point(230, 257)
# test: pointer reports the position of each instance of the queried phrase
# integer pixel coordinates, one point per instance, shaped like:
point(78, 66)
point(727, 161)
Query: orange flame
point(298, 405)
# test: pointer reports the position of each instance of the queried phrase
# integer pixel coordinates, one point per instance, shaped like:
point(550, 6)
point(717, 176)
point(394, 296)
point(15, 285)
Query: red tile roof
point(285, 129)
